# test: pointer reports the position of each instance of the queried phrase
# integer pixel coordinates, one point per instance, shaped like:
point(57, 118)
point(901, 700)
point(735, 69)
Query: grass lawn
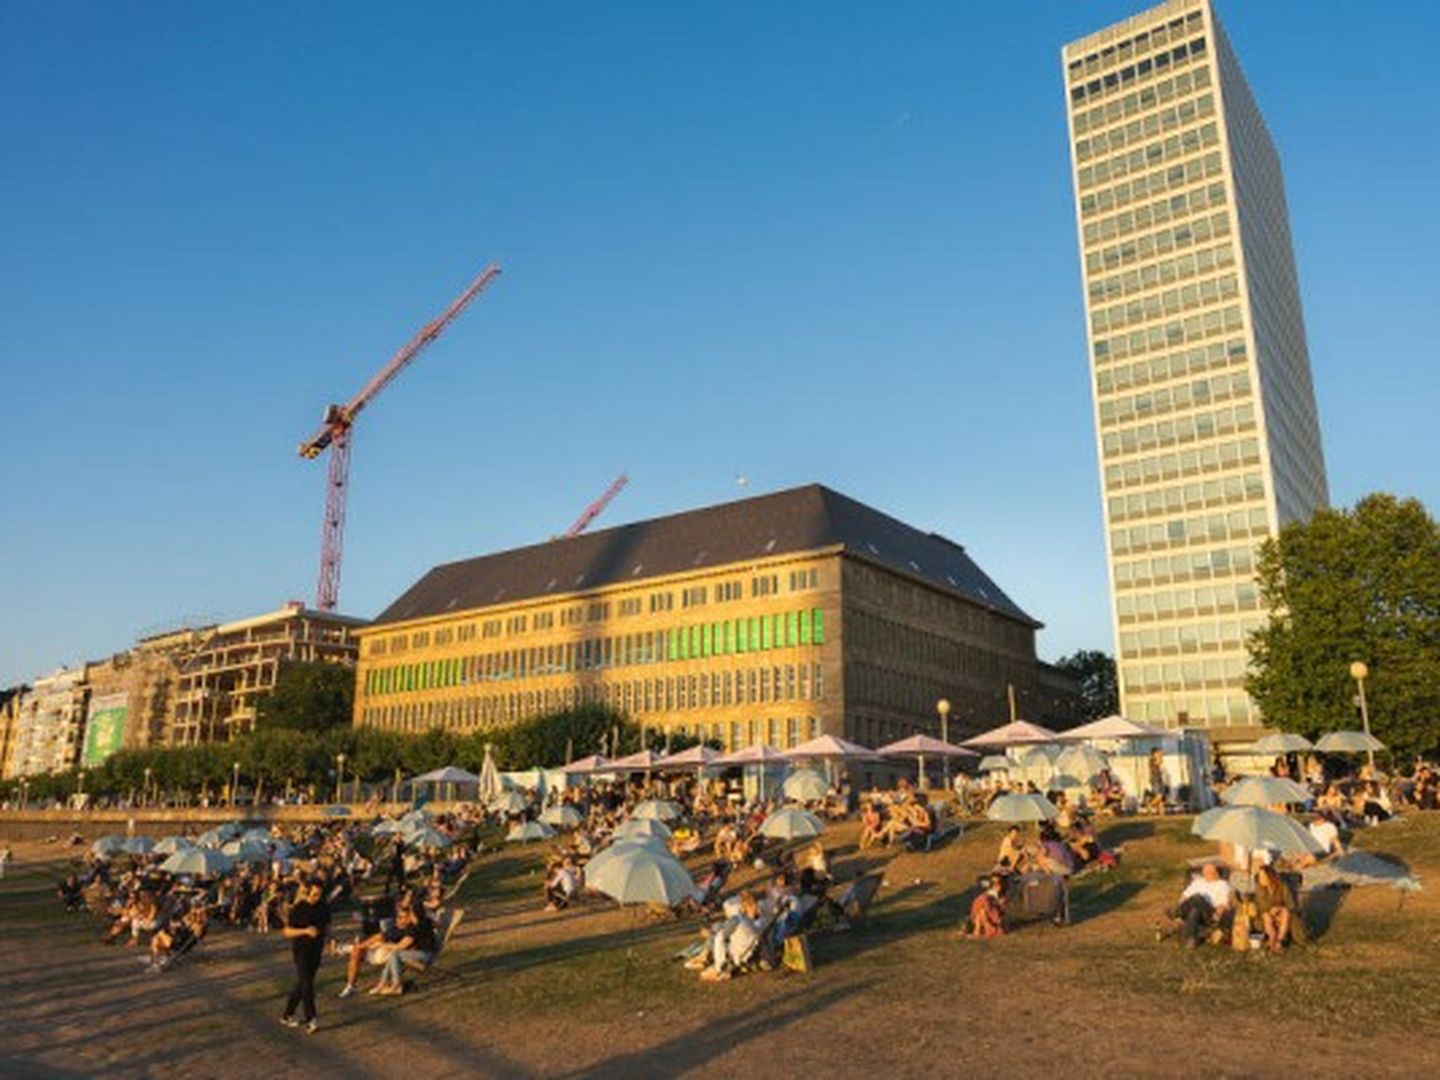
point(595, 991)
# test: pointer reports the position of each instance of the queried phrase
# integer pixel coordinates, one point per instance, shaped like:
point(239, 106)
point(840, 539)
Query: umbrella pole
point(921, 783)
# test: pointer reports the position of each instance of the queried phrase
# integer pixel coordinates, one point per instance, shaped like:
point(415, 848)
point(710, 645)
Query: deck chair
point(854, 902)
point(445, 930)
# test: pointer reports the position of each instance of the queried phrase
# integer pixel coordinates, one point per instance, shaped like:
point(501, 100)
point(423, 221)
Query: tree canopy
point(1099, 689)
point(308, 696)
point(1348, 585)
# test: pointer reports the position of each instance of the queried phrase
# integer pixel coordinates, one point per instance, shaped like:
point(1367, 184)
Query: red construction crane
point(334, 434)
point(596, 508)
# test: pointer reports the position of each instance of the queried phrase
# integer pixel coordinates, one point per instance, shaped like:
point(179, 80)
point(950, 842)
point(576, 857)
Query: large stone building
point(137, 689)
point(1204, 409)
point(768, 620)
point(222, 674)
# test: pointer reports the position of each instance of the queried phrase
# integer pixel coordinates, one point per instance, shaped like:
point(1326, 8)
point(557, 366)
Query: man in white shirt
point(1208, 900)
point(1327, 835)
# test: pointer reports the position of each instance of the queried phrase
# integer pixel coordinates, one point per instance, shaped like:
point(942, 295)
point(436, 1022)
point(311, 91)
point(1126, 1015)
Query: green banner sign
point(105, 728)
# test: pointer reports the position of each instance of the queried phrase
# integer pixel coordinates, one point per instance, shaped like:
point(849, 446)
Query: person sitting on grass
point(177, 935)
point(562, 885)
point(731, 942)
point(1276, 905)
point(1013, 855)
point(919, 821)
point(416, 945)
point(987, 910)
point(872, 825)
point(72, 893)
point(1207, 906)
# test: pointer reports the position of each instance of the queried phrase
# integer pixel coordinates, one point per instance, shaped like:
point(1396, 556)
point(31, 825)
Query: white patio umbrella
point(199, 861)
point(586, 765)
point(387, 827)
point(645, 761)
point(526, 831)
point(1282, 742)
point(1026, 807)
point(1083, 761)
point(211, 838)
point(621, 847)
point(642, 827)
point(759, 756)
point(805, 785)
point(107, 846)
point(921, 747)
point(247, 851)
point(698, 756)
point(512, 802)
point(169, 845)
point(1254, 827)
point(643, 876)
point(1265, 791)
point(564, 816)
point(139, 845)
point(1039, 757)
point(1112, 728)
point(996, 763)
point(1348, 742)
point(427, 837)
point(1011, 734)
point(1060, 781)
point(792, 823)
point(831, 748)
point(256, 836)
point(656, 810)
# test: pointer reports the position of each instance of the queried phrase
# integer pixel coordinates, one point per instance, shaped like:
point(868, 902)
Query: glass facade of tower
point(1204, 408)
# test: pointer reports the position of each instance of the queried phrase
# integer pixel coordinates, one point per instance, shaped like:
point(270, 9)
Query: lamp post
point(24, 792)
point(339, 775)
point(943, 708)
point(1359, 671)
point(145, 798)
point(234, 782)
point(80, 782)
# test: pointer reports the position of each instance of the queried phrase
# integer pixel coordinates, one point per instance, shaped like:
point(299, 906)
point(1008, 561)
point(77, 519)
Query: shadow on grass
point(1122, 832)
point(1099, 895)
point(695, 1049)
point(1319, 910)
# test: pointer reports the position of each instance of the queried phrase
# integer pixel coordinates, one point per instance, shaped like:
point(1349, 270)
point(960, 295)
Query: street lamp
point(24, 792)
point(234, 782)
point(943, 708)
point(339, 775)
point(80, 782)
point(1359, 671)
point(145, 800)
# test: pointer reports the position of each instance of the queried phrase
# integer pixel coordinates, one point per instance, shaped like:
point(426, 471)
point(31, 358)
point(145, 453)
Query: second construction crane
point(334, 435)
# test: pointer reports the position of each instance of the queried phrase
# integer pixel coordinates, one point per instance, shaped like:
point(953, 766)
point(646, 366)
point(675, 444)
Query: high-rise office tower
point(1204, 408)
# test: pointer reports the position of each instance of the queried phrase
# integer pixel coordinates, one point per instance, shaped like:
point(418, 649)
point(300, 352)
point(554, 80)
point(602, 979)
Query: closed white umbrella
point(1265, 791)
point(1254, 827)
point(1348, 742)
point(642, 827)
point(489, 786)
point(643, 876)
point(526, 831)
point(1026, 807)
point(805, 786)
point(792, 823)
point(656, 810)
point(561, 817)
point(199, 861)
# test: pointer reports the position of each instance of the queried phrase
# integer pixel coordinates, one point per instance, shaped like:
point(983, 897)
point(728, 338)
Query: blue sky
point(812, 241)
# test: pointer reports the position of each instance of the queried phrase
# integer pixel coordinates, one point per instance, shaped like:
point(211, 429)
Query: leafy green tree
point(1347, 585)
point(1099, 688)
point(308, 696)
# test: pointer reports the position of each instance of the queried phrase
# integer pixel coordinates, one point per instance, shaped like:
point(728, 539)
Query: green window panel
point(792, 628)
point(818, 620)
point(767, 632)
point(684, 635)
point(805, 627)
point(753, 633)
point(741, 643)
point(695, 650)
point(727, 637)
point(672, 646)
point(707, 642)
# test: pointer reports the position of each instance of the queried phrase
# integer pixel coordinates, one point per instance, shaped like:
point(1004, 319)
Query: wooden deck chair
point(855, 901)
point(445, 930)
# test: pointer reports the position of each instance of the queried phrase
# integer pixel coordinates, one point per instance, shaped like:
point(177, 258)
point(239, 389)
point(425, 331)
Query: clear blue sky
point(812, 241)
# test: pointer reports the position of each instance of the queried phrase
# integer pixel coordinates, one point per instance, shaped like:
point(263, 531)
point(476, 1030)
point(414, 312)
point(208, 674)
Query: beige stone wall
point(619, 645)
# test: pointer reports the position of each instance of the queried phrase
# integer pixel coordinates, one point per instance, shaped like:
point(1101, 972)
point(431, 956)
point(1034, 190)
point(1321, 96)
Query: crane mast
point(335, 434)
point(596, 508)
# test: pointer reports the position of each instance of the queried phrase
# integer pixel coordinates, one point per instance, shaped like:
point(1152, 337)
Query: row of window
point(897, 643)
point(1213, 711)
point(1187, 429)
point(594, 612)
point(1187, 639)
point(1159, 64)
point(1129, 48)
point(1138, 102)
point(1161, 120)
point(1227, 320)
point(1167, 399)
point(1219, 599)
point(1172, 178)
point(1158, 212)
point(1170, 302)
point(1175, 365)
point(1181, 497)
point(1148, 157)
point(1187, 566)
point(1162, 242)
point(1196, 461)
point(733, 636)
point(1207, 529)
point(1166, 272)
point(676, 693)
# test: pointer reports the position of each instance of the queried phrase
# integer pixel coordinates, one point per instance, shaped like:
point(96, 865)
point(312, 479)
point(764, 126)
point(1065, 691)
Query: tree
point(308, 696)
point(1347, 585)
point(1099, 689)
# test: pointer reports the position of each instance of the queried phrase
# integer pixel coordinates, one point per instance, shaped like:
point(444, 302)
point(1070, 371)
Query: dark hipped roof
point(800, 519)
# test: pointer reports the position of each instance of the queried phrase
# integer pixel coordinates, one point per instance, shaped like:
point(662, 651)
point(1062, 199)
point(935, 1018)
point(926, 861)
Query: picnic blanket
point(1360, 868)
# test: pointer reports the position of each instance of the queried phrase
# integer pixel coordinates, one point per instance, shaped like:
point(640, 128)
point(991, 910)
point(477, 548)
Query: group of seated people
point(904, 817)
point(1211, 909)
point(395, 932)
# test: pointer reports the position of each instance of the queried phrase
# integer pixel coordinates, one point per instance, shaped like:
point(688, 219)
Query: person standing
point(4, 860)
point(305, 928)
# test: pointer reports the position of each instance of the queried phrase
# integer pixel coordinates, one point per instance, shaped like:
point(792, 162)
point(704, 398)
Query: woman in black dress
point(305, 928)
